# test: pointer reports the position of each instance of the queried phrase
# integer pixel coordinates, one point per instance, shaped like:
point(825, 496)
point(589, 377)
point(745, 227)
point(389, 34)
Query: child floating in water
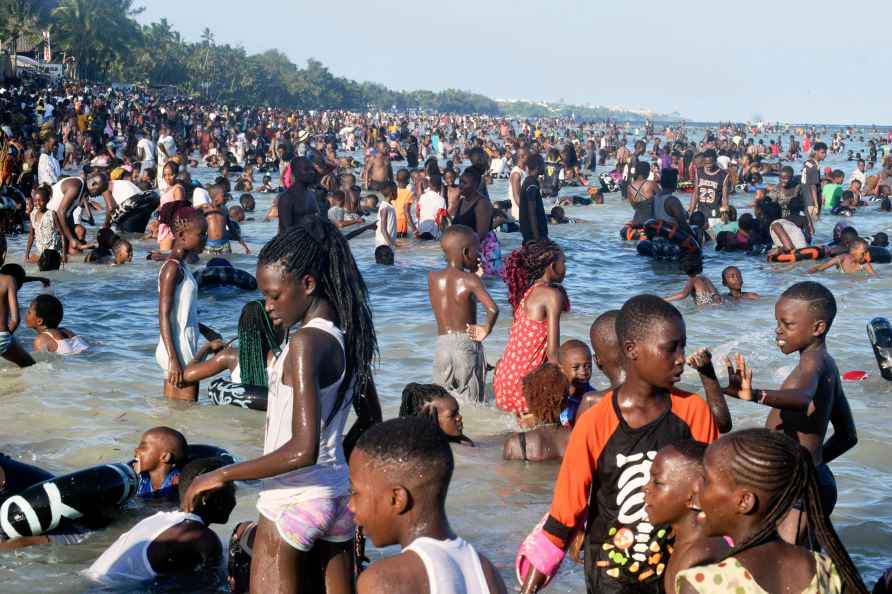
point(44, 316)
point(399, 476)
point(856, 260)
point(700, 288)
point(434, 402)
point(176, 543)
point(158, 460)
point(733, 280)
point(454, 292)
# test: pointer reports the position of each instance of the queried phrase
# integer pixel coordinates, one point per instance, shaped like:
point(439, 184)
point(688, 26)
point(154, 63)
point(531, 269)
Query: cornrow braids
point(256, 338)
point(774, 463)
point(526, 265)
point(316, 247)
point(178, 214)
point(417, 399)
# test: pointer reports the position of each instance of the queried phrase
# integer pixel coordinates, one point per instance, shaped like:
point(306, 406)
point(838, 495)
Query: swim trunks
point(459, 366)
point(307, 521)
point(6, 341)
point(218, 247)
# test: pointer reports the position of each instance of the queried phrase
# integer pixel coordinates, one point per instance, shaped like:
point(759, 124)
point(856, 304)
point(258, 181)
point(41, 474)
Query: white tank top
point(452, 566)
point(74, 209)
point(328, 478)
point(515, 209)
point(183, 320)
point(127, 559)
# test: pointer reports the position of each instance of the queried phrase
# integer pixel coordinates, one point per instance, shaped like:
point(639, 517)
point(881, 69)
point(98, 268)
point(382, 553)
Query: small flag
point(47, 51)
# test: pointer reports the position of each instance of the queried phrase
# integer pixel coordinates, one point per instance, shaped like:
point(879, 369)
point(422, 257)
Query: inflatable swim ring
point(220, 273)
point(196, 451)
point(879, 332)
point(672, 233)
point(812, 252)
point(878, 255)
point(223, 393)
point(85, 493)
point(632, 232)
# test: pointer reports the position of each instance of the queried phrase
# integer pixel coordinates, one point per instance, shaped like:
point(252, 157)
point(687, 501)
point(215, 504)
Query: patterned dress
point(526, 352)
point(731, 577)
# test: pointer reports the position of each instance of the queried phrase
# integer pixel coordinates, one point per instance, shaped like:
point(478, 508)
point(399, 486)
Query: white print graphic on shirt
point(630, 498)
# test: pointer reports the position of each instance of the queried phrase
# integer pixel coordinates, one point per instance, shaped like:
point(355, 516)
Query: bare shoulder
point(402, 574)
point(493, 579)
point(511, 449)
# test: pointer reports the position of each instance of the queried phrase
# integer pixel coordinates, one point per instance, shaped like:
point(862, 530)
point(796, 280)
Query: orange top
point(404, 196)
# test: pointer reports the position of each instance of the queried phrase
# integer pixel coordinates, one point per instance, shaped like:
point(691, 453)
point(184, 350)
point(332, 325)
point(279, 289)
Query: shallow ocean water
point(67, 414)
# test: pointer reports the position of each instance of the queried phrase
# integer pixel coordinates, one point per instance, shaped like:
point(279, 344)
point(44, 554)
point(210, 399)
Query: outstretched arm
point(685, 291)
point(825, 265)
point(702, 362)
point(796, 397)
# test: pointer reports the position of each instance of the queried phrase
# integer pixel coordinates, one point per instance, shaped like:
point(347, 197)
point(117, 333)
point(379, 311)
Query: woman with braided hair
point(533, 274)
point(752, 479)
point(178, 299)
point(309, 279)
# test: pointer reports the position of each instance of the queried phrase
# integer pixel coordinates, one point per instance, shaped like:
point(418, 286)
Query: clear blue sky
point(723, 61)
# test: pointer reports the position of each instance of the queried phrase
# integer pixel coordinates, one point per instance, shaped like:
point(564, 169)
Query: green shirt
point(832, 193)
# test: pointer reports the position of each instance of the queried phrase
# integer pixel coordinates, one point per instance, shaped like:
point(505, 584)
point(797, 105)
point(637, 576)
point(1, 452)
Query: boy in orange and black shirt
point(607, 462)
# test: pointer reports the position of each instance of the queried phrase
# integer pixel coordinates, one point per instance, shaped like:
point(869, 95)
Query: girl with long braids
point(533, 274)
point(752, 479)
point(177, 301)
point(309, 278)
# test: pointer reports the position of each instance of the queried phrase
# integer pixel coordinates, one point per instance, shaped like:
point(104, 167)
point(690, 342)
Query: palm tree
point(20, 20)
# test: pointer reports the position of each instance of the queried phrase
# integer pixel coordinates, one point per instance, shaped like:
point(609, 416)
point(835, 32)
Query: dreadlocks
point(776, 464)
point(527, 265)
point(256, 338)
point(315, 247)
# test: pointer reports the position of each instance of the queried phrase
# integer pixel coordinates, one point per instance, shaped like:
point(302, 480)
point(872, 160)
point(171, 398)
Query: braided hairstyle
point(418, 400)
point(316, 247)
point(179, 214)
point(775, 464)
point(526, 265)
point(256, 338)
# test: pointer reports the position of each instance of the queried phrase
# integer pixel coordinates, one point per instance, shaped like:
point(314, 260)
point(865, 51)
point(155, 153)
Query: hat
point(303, 136)
point(117, 173)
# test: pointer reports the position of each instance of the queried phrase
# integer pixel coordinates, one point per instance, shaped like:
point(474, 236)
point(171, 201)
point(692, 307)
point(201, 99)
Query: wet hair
point(418, 400)
point(691, 264)
point(638, 315)
point(15, 271)
point(526, 265)
point(256, 338)
point(821, 302)
point(247, 201)
point(558, 213)
point(545, 391)
point(193, 470)
point(773, 463)
point(603, 329)
point(729, 269)
point(176, 442)
point(49, 309)
point(886, 204)
point(49, 259)
point(179, 214)
point(409, 448)
point(669, 179)
point(317, 248)
point(384, 255)
point(690, 450)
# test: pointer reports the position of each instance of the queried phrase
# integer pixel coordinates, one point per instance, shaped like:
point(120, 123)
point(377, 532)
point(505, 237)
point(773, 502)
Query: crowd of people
point(655, 492)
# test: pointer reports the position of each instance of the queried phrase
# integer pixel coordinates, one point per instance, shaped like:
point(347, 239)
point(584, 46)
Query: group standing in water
point(655, 492)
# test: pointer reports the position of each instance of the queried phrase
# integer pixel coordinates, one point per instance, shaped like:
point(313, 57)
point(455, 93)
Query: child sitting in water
point(434, 402)
point(575, 360)
point(123, 252)
point(545, 392)
point(454, 293)
point(158, 460)
point(856, 260)
point(698, 287)
point(733, 280)
point(44, 316)
point(81, 245)
point(670, 498)
point(384, 255)
point(557, 216)
point(176, 543)
point(399, 475)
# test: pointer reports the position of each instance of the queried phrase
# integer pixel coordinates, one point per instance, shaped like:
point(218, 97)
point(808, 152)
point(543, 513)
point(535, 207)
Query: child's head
point(652, 337)
point(746, 223)
point(545, 392)
point(160, 447)
point(847, 236)
point(848, 197)
point(732, 278)
point(880, 239)
point(399, 474)
point(336, 198)
point(310, 265)
point(41, 196)
point(433, 402)
point(752, 478)
point(16, 272)
point(237, 213)
point(537, 259)
point(462, 247)
point(122, 251)
point(384, 255)
point(674, 476)
point(729, 215)
point(558, 214)
point(80, 232)
point(858, 249)
point(575, 360)
point(388, 190)
point(247, 200)
point(188, 224)
point(837, 176)
point(691, 264)
point(214, 506)
point(402, 178)
point(45, 311)
point(49, 259)
point(804, 314)
point(605, 345)
point(698, 219)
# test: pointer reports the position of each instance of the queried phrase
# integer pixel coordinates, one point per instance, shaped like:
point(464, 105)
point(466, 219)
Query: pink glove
point(539, 552)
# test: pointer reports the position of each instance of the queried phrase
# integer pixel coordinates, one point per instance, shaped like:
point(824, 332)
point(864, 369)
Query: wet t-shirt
point(601, 485)
point(810, 178)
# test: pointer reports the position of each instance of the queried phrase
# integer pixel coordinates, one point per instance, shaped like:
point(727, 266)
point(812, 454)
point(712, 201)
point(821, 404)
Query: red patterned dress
point(526, 352)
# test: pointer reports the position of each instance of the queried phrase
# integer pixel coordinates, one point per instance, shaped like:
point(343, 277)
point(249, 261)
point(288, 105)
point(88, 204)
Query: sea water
point(71, 413)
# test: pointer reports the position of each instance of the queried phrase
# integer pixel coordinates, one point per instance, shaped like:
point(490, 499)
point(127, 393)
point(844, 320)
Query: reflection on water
point(81, 411)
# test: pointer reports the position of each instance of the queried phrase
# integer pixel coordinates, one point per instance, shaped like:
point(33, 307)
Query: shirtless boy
point(399, 476)
point(608, 357)
point(454, 293)
point(9, 317)
point(733, 280)
point(217, 243)
point(856, 260)
point(812, 396)
point(378, 169)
